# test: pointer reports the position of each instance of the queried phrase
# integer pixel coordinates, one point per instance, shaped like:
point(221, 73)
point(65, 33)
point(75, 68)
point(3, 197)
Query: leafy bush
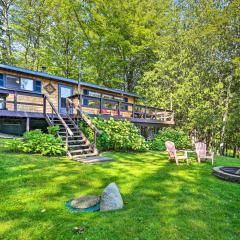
point(38, 142)
point(116, 135)
point(53, 130)
point(180, 139)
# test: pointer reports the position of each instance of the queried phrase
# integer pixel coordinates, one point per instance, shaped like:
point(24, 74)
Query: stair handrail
point(46, 98)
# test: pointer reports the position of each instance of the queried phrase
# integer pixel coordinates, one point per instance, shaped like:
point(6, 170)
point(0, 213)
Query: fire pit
point(231, 174)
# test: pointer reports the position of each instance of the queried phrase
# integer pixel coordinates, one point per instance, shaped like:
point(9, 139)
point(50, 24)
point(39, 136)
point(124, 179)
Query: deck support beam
point(27, 124)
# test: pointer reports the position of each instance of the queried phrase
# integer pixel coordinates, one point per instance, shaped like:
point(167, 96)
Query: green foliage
point(37, 142)
point(116, 135)
point(53, 130)
point(180, 139)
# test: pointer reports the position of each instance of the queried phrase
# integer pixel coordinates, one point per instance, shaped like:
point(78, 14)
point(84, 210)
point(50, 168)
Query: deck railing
point(25, 101)
point(118, 108)
point(16, 100)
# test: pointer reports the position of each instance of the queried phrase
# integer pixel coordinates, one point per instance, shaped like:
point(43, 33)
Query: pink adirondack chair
point(172, 152)
point(202, 153)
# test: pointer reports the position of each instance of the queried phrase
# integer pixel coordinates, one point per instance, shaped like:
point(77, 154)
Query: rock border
point(224, 175)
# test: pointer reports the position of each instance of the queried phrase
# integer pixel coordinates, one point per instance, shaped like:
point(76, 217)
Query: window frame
point(3, 80)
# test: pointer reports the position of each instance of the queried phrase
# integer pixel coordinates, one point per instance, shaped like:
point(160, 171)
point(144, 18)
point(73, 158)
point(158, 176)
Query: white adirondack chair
point(202, 153)
point(172, 152)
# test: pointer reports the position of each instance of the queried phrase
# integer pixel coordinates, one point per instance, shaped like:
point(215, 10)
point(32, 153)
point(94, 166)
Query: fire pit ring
point(231, 174)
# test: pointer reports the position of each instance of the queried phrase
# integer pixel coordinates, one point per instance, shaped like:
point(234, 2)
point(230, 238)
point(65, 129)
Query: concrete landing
point(95, 159)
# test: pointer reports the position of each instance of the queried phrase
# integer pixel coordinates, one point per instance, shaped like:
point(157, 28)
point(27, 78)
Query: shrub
point(37, 142)
point(180, 139)
point(116, 135)
point(53, 130)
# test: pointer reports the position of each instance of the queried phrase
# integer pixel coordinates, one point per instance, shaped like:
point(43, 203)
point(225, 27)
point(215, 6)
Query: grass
point(162, 200)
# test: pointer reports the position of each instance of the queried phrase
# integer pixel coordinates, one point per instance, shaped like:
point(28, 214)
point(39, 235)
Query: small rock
point(85, 201)
point(111, 198)
point(79, 230)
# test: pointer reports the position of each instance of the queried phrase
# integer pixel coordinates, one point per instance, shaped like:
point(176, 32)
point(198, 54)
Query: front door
point(64, 92)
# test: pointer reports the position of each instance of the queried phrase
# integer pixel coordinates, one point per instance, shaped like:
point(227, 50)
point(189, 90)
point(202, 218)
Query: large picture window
point(27, 84)
point(14, 82)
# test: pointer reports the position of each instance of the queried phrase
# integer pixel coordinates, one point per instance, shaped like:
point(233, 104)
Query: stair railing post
point(66, 139)
point(52, 115)
point(95, 140)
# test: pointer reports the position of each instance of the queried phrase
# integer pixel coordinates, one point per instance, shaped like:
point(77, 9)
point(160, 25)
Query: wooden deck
point(23, 104)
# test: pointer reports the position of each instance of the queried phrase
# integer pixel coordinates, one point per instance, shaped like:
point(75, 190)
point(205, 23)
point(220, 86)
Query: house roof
point(62, 79)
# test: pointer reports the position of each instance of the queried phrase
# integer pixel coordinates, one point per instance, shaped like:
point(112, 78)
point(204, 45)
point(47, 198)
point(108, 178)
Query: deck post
point(15, 101)
point(101, 104)
point(119, 106)
point(27, 124)
point(133, 110)
point(44, 105)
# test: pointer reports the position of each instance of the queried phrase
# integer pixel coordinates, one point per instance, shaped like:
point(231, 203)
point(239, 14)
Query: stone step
point(94, 159)
point(79, 157)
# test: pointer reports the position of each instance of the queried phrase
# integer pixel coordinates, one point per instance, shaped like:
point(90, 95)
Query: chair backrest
point(201, 148)
point(170, 146)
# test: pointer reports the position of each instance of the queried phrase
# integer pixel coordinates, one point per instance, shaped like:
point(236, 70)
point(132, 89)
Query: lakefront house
point(31, 99)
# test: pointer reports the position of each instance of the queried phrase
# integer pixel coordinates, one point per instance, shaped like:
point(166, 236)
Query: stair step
point(64, 132)
point(74, 136)
point(80, 150)
point(74, 141)
point(79, 146)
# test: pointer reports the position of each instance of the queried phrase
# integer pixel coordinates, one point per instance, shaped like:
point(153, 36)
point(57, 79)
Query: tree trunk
point(234, 151)
point(6, 40)
point(225, 115)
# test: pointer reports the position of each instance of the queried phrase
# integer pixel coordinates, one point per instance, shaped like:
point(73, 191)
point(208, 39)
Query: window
point(94, 94)
point(27, 84)
point(38, 86)
point(2, 102)
point(85, 100)
point(1, 80)
point(12, 82)
point(126, 105)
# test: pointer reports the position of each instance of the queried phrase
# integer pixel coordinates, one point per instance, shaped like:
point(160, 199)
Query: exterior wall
point(54, 96)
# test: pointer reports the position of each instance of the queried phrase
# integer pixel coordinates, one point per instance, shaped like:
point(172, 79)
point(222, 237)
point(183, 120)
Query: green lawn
point(162, 201)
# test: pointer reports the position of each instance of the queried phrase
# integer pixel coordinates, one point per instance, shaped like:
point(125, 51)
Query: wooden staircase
point(78, 146)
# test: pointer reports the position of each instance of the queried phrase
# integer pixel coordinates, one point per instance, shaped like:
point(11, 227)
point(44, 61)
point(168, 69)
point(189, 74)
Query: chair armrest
point(210, 153)
point(182, 151)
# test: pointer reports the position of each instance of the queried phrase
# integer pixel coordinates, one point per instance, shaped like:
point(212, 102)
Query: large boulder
point(111, 198)
point(85, 201)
